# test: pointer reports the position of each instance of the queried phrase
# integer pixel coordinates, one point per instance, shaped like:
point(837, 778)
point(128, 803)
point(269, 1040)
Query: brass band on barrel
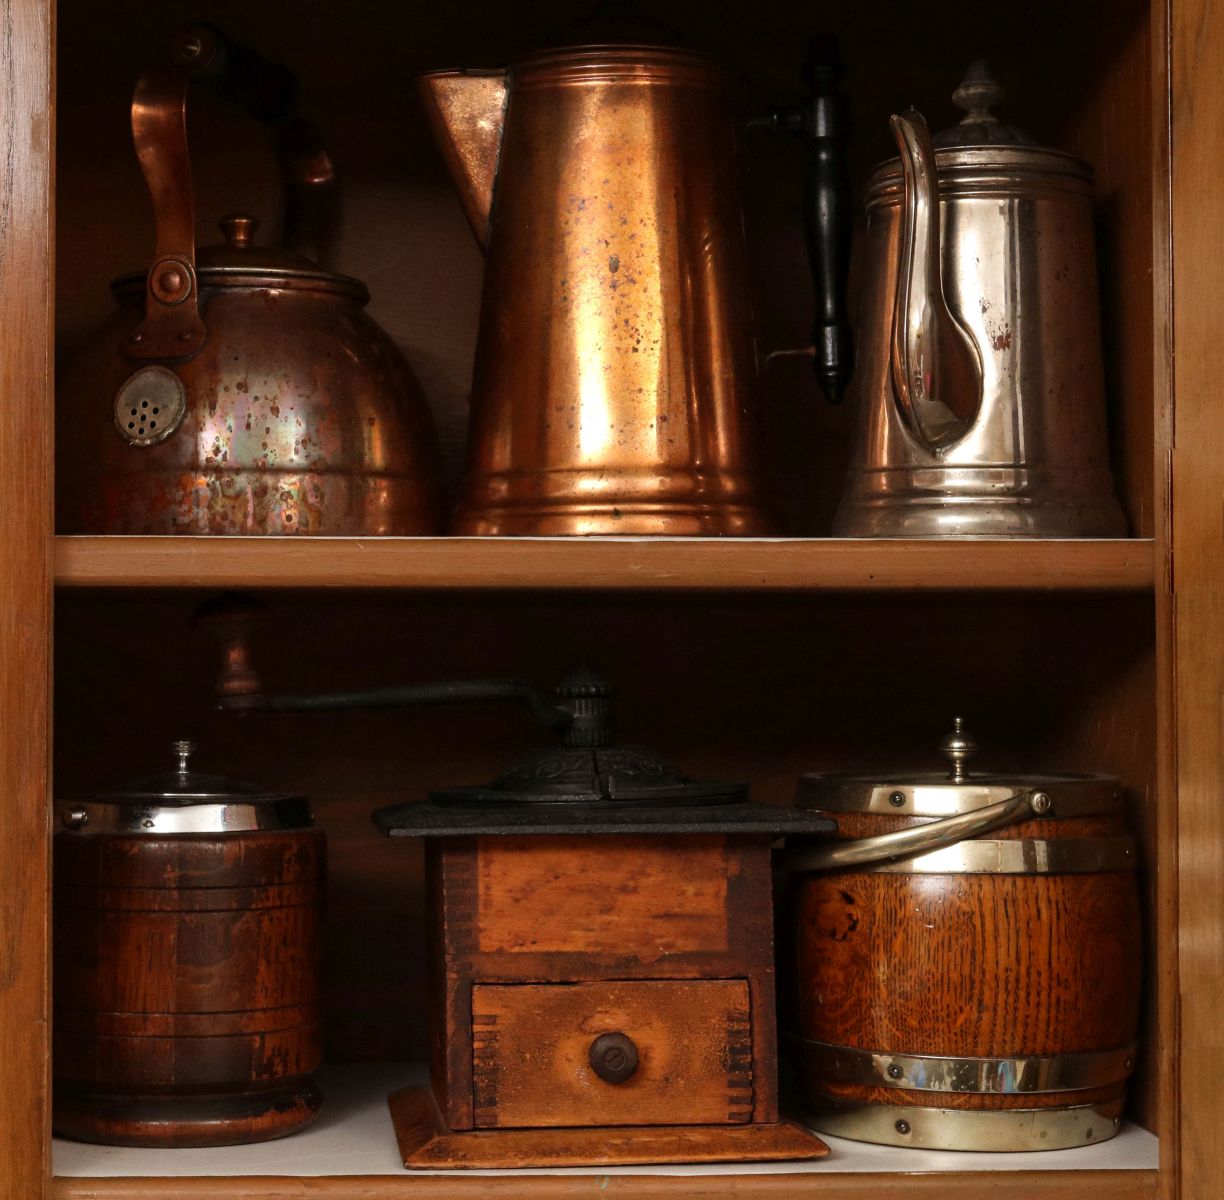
point(995, 1131)
point(989, 1076)
point(1020, 856)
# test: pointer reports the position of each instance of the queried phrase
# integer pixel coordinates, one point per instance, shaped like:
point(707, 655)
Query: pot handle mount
point(173, 328)
point(920, 839)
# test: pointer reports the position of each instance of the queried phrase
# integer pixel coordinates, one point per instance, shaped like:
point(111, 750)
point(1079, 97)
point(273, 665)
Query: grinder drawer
point(629, 1052)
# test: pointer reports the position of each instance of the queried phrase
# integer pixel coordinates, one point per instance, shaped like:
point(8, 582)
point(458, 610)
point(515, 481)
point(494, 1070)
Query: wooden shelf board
point(351, 1153)
point(1122, 565)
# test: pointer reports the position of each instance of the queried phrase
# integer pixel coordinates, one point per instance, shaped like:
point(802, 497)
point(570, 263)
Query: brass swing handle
point(921, 839)
point(173, 328)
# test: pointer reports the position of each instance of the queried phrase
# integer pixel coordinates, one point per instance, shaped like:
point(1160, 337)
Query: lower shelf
point(353, 1144)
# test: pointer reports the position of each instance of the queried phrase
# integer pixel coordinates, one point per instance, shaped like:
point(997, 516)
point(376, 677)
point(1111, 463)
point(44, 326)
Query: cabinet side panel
point(26, 119)
point(1198, 583)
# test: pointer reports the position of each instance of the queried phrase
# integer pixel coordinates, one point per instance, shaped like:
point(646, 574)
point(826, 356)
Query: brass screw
point(903, 1127)
point(1041, 803)
point(894, 1072)
point(897, 799)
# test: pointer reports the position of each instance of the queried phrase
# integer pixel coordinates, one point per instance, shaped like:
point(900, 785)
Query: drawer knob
point(614, 1057)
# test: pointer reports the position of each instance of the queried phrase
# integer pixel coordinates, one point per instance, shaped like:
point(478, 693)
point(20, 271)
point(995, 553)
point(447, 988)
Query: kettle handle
point(173, 327)
point(919, 839)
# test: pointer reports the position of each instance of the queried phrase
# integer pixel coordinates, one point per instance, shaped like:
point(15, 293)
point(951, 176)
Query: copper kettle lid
point(238, 262)
point(957, 789)
point(185, 801)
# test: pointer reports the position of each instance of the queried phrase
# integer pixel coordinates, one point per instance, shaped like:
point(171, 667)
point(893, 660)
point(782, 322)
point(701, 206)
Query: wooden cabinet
point(755, 659)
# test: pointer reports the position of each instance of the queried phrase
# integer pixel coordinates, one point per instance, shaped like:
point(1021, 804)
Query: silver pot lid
point(185, 801)
point(957, 790)
point(981, 142)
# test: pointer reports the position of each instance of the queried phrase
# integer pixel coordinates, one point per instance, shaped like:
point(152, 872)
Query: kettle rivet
point(1041, 803)
point(894, 1071)
point(897, 799)
point(903, 1127)
point(74, 818)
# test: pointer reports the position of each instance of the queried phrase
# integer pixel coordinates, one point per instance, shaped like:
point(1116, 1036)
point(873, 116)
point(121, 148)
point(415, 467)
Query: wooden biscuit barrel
point(964, 962)
point(186, 993)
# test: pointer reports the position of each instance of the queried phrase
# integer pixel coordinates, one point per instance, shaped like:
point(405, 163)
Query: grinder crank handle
point(238, 688)
point(821, 120)
point(173, 328)
point(920, 839)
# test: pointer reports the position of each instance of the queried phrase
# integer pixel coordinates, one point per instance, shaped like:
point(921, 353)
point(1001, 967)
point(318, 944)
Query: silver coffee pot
point(979, 377)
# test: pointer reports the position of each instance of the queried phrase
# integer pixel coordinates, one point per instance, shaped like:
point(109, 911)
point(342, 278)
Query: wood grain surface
point(186, 986)
point(1198, 588)
point(619, 896)
point(27, 215)
point(531, 1046)
point(602, 563)
point(424, 1142)
point(938, 1185)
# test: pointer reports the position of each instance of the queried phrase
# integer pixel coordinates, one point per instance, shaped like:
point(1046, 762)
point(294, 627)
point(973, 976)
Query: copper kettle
point(239, 390)
point(615, 374)
point(979, 376)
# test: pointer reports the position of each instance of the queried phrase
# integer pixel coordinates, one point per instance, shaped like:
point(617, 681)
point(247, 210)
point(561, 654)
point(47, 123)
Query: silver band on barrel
point(986, 1076)
point(998, 1130)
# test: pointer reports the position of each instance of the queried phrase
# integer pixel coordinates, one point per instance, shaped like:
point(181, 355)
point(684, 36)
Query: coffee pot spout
point(936, 370)
point(467, 114)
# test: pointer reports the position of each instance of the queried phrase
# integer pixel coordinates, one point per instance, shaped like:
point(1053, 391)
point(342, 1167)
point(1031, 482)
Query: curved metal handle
point(173, 328)
point(936, 373)
point(921, 839)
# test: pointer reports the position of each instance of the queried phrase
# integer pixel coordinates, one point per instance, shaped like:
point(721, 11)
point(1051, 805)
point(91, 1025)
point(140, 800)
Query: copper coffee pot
point(240, 390)
point(979, 374)
point(615, 375)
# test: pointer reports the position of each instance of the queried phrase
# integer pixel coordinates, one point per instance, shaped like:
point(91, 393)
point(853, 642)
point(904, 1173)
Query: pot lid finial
point(977, 95)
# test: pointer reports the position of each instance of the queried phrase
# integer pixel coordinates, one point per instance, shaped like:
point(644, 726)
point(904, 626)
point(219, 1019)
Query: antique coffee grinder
point(601, 934)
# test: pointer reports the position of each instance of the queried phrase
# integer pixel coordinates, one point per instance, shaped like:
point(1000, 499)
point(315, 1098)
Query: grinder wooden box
point(602, 985)
point(600, 999)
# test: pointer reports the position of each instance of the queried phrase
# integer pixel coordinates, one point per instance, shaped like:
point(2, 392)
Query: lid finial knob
point(978, 94)
point(184, 748)
point(956, 748)
point(239, 230)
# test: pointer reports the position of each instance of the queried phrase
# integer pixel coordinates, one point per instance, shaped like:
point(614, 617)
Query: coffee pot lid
point(981, 141)
point(978, 94)
point(185, 801)
point(957, 790)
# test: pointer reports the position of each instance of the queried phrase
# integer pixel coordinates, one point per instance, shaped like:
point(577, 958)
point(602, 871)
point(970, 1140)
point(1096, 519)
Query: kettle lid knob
point(238, 230)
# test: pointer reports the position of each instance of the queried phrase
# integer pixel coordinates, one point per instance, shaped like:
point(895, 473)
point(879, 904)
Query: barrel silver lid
point(185, 801)
point(956, 790)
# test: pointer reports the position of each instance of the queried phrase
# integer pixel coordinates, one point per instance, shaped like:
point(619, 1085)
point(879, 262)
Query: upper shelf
point(605, 563)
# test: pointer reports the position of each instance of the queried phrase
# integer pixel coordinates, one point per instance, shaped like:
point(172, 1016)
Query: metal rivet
point(74, 818)
point(897, 799)
point(894, 1072)
point(1041, 803)
point(903, 1127)
point(147, 823)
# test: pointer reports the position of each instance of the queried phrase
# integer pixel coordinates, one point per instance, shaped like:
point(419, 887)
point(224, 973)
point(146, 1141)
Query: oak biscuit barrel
point(187, 914)
point(966, 960)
